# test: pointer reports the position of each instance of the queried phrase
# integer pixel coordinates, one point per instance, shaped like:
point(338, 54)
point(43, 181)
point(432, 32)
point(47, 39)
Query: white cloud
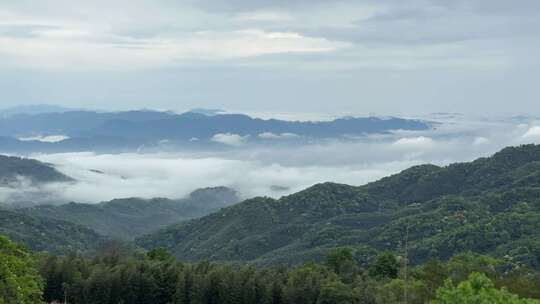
point(480, 141)
point(532, 133)
point(266, 16)
point(270, 135)
point(48, 138)
point(175, 175)
point(420, 142)
point(229, 139)
point(75, 48)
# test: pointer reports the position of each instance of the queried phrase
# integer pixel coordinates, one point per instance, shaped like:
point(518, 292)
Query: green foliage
point(386, 266)
point(76, 227)
point(159, 254)
point(120, 275)
point(43, 234)
point(337, 293)
point(19, 279)
point(341, 260)
point(394, 292)
point(132, 277)
point(477, 289)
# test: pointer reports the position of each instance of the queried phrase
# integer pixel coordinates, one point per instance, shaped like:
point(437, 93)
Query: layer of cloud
point(68, 48)
point(142, 33)
point(270, 135)
point(421, 142)
point(274, 170)
point(47, 138)
point(229, 139)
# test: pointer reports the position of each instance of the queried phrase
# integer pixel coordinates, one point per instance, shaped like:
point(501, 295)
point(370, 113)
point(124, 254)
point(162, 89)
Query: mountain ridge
point(12, 168)
point(131, 217)
point(132, 129)
point(449, 209)
point(45, 234)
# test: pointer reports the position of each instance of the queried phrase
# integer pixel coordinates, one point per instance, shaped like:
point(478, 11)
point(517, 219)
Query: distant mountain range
point(132, 217)
point(88, 130)
point(82, 227)
point(33, 110)
point(489, 206)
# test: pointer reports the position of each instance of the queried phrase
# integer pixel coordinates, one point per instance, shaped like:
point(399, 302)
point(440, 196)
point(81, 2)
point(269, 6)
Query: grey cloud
point(404, 56)
point(247, 5)
point(428, 25)
point(24, 30)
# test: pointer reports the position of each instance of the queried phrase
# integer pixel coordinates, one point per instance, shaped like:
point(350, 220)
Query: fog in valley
point(271, 168)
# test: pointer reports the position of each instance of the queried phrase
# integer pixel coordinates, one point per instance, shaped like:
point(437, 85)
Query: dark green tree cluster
point(116, 276)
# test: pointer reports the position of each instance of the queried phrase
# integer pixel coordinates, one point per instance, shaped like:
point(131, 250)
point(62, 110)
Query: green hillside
point(43, 234)
point(132, 217)
point(489, 206)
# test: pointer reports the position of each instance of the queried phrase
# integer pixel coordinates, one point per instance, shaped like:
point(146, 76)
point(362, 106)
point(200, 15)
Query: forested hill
point(44, 234)
point(132, 217)
point(491, 206)
point(13, 168)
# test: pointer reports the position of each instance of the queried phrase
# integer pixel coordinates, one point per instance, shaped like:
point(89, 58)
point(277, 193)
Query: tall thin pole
point(65, 285)
point(405, 295)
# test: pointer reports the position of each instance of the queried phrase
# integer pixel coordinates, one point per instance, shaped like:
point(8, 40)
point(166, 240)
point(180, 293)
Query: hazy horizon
point(269, 168)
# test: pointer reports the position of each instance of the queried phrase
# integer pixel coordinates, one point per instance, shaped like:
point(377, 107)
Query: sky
point(343, 57)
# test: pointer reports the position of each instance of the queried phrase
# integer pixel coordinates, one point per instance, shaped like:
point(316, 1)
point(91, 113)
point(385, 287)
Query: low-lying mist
point(269, 169)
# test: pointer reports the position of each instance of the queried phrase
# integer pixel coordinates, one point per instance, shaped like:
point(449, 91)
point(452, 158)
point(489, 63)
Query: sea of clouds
point(266, 169)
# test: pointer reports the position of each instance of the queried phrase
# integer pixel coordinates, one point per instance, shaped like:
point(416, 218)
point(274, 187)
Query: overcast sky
point(343, 57)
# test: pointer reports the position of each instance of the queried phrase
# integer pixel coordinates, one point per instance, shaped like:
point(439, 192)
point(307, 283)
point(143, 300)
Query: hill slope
point(43, 234)
point(132, 217)
point(13, 168)
point(491, 205)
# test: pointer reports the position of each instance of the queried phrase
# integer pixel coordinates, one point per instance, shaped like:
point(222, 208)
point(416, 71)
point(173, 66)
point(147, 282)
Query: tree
point(386, 265)
point(159, 254)
point(19, 279)
point(337, 293)
point(184, 288)
point(477, 289)
point(392, 292)
point(304, 284)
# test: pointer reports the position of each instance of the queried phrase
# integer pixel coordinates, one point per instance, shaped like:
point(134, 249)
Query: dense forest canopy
point(119, 274)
